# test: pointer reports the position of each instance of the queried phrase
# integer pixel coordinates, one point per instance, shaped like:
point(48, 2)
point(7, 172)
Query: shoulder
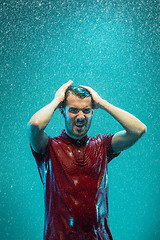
point(104, 140)
point(102, 137)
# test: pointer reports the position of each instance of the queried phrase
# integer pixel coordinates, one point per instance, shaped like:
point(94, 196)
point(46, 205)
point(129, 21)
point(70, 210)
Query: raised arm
point(133, 127)
point(39, 121)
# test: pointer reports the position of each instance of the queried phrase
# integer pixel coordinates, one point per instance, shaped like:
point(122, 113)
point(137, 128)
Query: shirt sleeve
point(107, 140)
point(40, 158)
point(42, 161)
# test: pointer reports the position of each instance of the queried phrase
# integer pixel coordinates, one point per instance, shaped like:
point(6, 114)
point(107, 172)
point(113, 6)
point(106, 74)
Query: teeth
point(79, 125)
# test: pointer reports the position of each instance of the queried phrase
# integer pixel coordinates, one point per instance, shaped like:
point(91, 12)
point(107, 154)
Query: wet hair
point(79, 92)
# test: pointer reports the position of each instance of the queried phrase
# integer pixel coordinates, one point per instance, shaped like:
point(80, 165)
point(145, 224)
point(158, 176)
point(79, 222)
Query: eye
point(86, 110)
point(73, 110)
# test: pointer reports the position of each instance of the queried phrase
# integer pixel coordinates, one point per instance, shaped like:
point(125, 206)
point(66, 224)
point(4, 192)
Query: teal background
point(111, 46)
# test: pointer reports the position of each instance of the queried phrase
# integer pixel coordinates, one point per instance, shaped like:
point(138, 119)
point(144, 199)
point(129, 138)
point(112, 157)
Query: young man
point(73, 166)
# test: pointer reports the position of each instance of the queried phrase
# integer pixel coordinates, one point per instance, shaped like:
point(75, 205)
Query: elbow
point(139, 132)
point(142, 131)
point(145, 128)
point(34, 122)
point(33, 127)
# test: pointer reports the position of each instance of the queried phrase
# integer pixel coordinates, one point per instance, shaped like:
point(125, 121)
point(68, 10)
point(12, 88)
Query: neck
point(74, 137)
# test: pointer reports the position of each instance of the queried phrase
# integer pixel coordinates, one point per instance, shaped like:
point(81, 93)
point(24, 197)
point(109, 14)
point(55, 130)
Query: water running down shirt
point(74, 174)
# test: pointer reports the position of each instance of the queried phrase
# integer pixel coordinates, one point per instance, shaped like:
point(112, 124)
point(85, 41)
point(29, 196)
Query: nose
point(80, 115)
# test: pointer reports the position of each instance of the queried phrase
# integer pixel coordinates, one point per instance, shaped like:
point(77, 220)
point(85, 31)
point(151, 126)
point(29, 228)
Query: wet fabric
point(75, 179)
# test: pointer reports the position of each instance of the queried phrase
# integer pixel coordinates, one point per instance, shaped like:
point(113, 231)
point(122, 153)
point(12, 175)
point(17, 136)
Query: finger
point(86, 87)
point(83, 86)
point(67, 84)
point(70, 81)
point(89, 89)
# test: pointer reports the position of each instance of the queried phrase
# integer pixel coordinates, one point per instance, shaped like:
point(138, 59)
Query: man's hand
point(39, 121)
point(96, 98)
point(133, 127)
point(60, 94)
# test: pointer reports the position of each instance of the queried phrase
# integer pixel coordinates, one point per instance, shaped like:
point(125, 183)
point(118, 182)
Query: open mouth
point(80, 125)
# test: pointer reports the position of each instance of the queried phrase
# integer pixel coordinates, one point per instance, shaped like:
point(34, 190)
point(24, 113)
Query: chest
point(88, 160)
point(76, 170)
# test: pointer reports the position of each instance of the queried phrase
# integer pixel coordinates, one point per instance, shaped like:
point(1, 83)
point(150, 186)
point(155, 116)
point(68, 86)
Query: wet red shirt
point(75, 180)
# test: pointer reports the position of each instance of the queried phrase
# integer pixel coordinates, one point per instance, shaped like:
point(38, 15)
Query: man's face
point(78, 116)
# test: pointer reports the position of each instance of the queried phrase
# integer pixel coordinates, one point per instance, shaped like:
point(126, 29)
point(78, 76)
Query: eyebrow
point(76, 108)
point(80, 108)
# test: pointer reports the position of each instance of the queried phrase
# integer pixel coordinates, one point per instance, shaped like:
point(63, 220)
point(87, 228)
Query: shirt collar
point(69, 140)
